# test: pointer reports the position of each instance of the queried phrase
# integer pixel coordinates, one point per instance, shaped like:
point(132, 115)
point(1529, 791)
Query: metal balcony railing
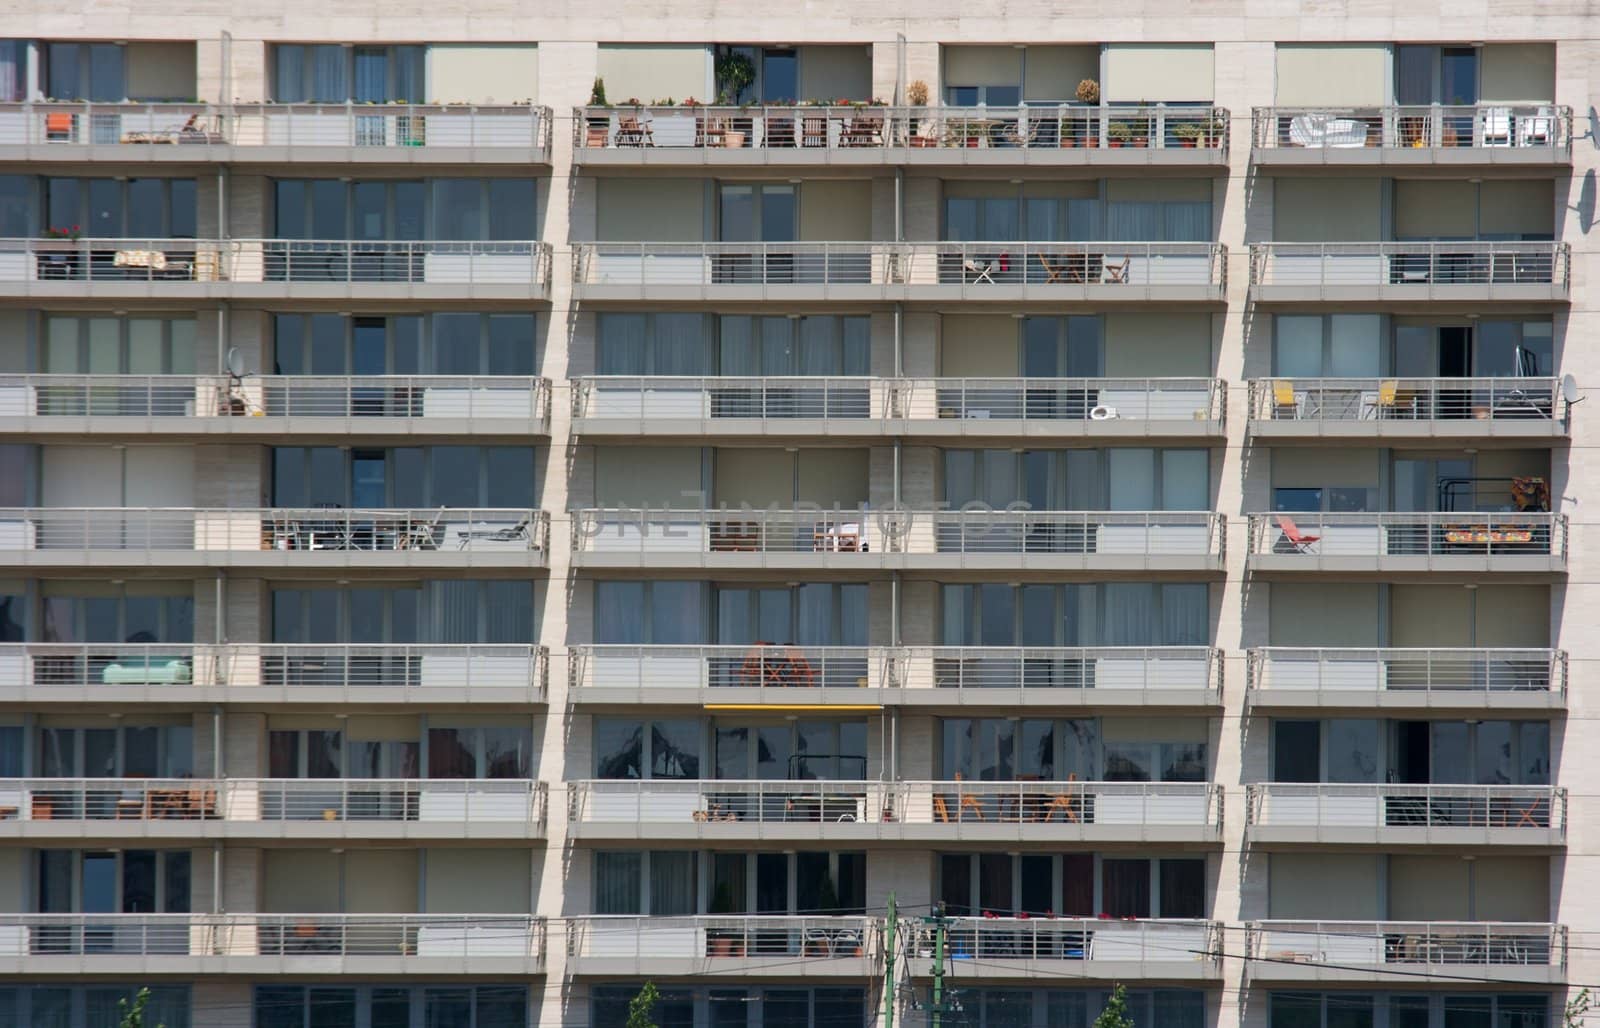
point(660, 801)
point(1414, 264)
point(196, 127)
point(971, 265)
point(1066, 399)
point(1417, 945)
point(712, 398)
point(233, 936)
point(315, 529)
point(874, 126)
point(760, 666)
point(366, 261)
point(297, 126)
point(426, 126)
point(515, 672)
point(1405, 399)
point(1150, 534)
point(1131, 805)
point(308, 397)
point(1451, 675)
point(808, 938)
point(111, 799)
point(1034, 939)
point(1341, 805)
point(1484, 126)
point(1409, 534)
point(501, 801)
point(1143, 669)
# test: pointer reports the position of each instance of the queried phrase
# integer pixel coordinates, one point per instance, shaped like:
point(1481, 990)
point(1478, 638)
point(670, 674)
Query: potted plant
point(1088, 92)
point(597, 127)
point(60, 255)
point(1120, 133)
point(723, 942)
point(1188, 134)
point(734, 73)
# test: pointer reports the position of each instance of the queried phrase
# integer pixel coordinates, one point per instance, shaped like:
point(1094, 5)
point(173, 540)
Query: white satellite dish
point(234, 362)
point(1569, 389)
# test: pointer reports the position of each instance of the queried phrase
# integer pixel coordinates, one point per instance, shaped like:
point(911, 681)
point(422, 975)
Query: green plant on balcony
point(597, 93)
point(1188, 133)
point(1088, 91)
point(1120, 133)
point(917, 94)
point(735, 72)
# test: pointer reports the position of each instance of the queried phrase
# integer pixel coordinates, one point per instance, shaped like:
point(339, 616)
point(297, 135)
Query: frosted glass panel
point(1185, 480)
point(1299, 346)
point(1133, 479)
point(1353, 347)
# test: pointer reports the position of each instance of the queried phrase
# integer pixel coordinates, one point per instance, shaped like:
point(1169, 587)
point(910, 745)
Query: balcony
point(725, 946)
point(715, 675)
point(273, 406)
point(1406, 542)
point(1089, 948)
point(75, 945)
point(928, 812)
point(1191, 137)
point(1053, 408)
point(186, 269)
point(273, 673)
point(1408, 409)
point(1407, 679)
point(1464, 272)
point(997, 272)
point(272, 809)
point(815, 539)
point(275, 537)
point(728, 406)
point(406, 134)
point(1514, 136)
point(1378, 951)
point(1405, 815)
point(409, 134)
point(1061, 676)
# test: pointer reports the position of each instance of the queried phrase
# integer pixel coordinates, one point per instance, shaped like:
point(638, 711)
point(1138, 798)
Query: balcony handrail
point(324, 529)
point(1412, 534)
point(1068, 531)
point(1041, 126)
point(611, 397)
point(1398, 398)
point(754, 666)
point(1107, 398)
point(230, 936)
point(356, 398)
point(974, 669)
point(1049, 937)
point(1418, 264)
point(740, 936)
point(244, 123)
point(1446, 126)
point(972, 265)
point(504, 262)
point(196, 127)
point(1418, 942)
point(1421, 670)
point(352, 667)
point(1432, 804)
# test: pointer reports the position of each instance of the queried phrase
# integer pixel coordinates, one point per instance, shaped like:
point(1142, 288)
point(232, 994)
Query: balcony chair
point(1391, 404)
point(1287, 405)
point(58, 128)
point(1070, 803)
point(634, 131)
point(1309, 130)
point(1537, 129)
point(421, 535)
point(1497, 126)
point(864, 132)
point(1118, 273)
point(1294, 537)
point(814, 131)
point(516, 533)
point(780, 131)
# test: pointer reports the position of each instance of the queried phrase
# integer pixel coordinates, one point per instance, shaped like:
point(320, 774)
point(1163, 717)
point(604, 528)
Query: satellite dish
point(1569, 389)
point(235, 362)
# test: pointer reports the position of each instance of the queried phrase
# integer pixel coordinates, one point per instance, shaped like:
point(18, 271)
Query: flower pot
point(733, 140)
point(721, 946)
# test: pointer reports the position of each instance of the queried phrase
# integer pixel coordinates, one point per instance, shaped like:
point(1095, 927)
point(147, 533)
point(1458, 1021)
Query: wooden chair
point(1118, 273)
point(631, 131)
point(780, 131)
point(814, 131)
point(967, 801)
point(1069, 803)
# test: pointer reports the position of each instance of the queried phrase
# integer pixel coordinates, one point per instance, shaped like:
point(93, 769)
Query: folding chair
point(1294, 537)
point(1118, 273)
point(519, 531)
point(981, 271)
point(1286, 403)
point(1496, 126)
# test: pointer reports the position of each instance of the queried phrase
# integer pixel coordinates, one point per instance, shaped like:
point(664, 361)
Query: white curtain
point(620, 344)
point(617, 881)
point(1185, 613)
point(13, 70)
point(672, 881)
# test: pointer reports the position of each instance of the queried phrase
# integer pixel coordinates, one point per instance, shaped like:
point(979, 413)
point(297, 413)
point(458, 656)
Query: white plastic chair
point(1536, 130)
point(1497, 126)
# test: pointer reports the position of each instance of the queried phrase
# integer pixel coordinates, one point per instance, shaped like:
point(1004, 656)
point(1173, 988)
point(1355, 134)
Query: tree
point(1115, 1015)
point(643, 1006)
point(133, 1016)
point(1577, 1010)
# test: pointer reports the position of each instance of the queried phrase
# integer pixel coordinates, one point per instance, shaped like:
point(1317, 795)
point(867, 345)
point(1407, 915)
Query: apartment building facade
point(504, 505)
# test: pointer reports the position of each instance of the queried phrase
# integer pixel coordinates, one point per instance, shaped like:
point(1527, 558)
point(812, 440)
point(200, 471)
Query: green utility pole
point(888, 967)
point(938, 966)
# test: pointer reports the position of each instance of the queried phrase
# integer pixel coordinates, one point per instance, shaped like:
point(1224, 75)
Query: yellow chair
point(1389, 405)
point(1284, 401)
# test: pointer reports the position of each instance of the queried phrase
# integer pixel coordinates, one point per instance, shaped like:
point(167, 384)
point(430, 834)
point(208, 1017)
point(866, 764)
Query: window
point(1315, 500)
point(89, 1006)
point(137, 208)
point(443, 209)
point(1106, 614)
point(487, 751)
point(1408, 1010)
point(811, 750)
point(1328, 345)
point(414, 477)
point(1124, 478)
point(325, 73)
point(668, 749)
point(1002, 217)
point(741, 1007)
point(1010, 749)
point(105, 346)
point(72, 613)
point(441, 611)
point(84, 71)
point(432, 344)
point(1073, 885)
point(108, 881)
point(129, 751)
point(13, 70)
point(990, 96)
point(17, 205)
point(660, 883)
point(392, 1006)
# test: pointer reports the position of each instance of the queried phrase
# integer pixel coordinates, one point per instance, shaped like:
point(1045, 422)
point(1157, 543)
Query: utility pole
point(888, 966)
point(938, 965)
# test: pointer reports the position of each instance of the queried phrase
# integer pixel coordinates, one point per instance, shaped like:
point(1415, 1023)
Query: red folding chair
point(1296, 538)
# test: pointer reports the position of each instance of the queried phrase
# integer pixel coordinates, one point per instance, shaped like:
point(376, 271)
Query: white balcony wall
point(1317, 210)
point(1517, 73)
point(650, 71)
point(835, 209)
point(300, 881)
point(1435, 210)
point(478, 73)
point(651, 210)
point(655, 476)
point(1142, 345)
point(1052, 73)
point(1324, 614)
point(977, 345)
point(477, 881)
point(834, 73)
point(1300, 884)
point(1138, 72)
point(161, 71)
point(380, 881)
point(1518, 207)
